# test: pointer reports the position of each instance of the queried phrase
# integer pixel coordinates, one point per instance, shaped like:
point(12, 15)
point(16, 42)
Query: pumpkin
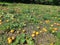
point(33, 35)
point(37, 33)
point(9, 41)
point(13, 37)
point(12, 31)
point(23, 31)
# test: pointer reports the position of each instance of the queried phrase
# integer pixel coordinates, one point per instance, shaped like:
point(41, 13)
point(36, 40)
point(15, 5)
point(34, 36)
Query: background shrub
point(55, 2)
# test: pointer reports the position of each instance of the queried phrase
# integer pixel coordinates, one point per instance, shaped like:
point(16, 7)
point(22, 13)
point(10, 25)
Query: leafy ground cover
point(29, 24)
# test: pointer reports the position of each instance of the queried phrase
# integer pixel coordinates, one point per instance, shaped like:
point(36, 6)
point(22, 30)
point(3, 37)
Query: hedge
point(56, 2)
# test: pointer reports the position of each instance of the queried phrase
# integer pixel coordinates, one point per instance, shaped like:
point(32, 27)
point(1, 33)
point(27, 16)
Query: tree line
point(54, 2)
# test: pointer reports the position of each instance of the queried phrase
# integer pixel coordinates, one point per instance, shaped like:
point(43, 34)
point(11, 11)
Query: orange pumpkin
point(37, 33)
point(13, 37)
point(33, 35)
point(9, 41)
point(12, 31)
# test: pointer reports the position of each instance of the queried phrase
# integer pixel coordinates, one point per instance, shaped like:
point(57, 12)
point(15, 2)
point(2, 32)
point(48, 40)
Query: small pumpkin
point(7, 20)
point(9, 38)
point(33, 35)
point(13, 37)
point(0, 20)
point(37, 33)
point(9, 41)
point(23, 31)
point(12, 31)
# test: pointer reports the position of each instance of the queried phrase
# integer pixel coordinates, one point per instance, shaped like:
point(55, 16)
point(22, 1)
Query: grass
point(44, 19)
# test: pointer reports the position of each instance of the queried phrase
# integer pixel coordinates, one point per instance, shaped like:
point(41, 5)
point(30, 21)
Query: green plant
point(11, 11)
point(30, 41)
point(58, 35)
point(20, 39)
point(3, 40)
point(57, 42)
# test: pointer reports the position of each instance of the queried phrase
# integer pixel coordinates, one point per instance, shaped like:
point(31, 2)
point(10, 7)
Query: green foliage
point(29, 14)
point(3, 40)
point(5, 27)
point(56, 2)
point(20, 39)
point(30, 41)
point(11, 11)
point(58, 35)
point(57, 42)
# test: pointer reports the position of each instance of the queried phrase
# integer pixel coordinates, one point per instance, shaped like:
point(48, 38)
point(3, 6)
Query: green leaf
point(58, 35)
point(22, 40)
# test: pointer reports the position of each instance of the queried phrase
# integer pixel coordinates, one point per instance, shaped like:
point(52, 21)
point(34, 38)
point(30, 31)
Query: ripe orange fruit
point(55, 23)
point(53, 31)
point(18, 32)
point(9, 38)
point(0, 23)
point(33, 35)
point(9, 41)
point(44, 29)
point(13, 37)
point(37, 33)
point(58, 24)
point(7, 20)
point(41, 22)
point(52, 25)
point(23, 31)
point(40, 31)
point(51, 43)
point(0, 20)
point(55, 28)
point(38, 27)
point(12, 31)
point(47, 21)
